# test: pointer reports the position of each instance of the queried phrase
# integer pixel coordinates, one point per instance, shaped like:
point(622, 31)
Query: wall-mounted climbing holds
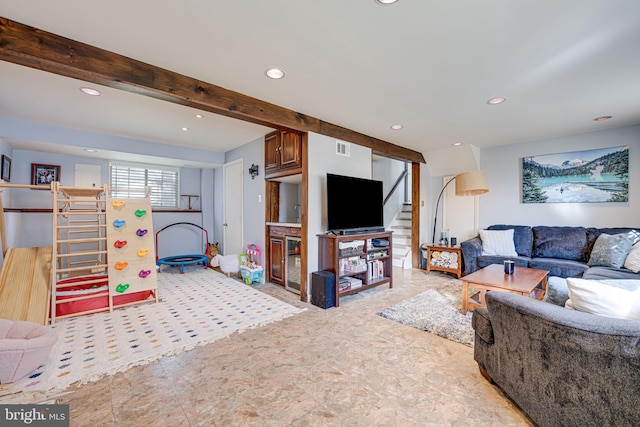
point(129, 246)
point(122, 287)
point(121, 265)
point(143, 252)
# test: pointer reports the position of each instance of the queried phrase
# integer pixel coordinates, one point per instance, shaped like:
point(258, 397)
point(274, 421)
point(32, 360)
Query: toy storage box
point(251, 275)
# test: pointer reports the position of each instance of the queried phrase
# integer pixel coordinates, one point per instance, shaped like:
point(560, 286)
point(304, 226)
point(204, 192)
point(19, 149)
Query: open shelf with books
point(358, 261)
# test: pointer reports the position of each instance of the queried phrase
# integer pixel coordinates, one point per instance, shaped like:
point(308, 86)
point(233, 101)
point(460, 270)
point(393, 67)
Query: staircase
point(401, 227)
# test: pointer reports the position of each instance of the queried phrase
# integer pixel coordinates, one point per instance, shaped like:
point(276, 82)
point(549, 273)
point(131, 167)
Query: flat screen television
point(354, 204)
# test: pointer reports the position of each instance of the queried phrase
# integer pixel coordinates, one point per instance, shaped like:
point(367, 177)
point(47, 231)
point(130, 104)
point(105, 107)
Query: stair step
point(404, 231)
point(401, 231)
point(397, 263)
point(401, 240)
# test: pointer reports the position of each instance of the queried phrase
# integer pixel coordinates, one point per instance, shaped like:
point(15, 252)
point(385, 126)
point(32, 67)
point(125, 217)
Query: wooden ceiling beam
point(35, 48)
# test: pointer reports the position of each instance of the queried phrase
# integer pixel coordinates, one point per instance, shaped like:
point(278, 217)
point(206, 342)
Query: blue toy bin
point(251, 275)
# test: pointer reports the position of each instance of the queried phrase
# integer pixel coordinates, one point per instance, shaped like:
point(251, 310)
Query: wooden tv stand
point(348, 260)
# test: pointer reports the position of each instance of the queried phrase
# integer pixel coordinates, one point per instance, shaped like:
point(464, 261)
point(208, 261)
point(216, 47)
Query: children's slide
point(24, 284)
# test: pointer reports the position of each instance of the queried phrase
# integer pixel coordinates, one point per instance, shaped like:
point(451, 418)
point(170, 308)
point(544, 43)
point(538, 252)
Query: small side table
point(442, 258)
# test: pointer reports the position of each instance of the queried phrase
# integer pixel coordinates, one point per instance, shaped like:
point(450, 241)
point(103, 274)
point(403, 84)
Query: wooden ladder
point(79, 234)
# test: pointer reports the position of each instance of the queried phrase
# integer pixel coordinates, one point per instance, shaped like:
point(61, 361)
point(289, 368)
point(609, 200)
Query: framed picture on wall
point(44, 174)
point(6, 169)
point(588, 176)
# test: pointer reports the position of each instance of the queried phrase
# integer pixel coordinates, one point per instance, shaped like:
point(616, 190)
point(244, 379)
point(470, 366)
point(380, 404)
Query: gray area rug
point(437, 311)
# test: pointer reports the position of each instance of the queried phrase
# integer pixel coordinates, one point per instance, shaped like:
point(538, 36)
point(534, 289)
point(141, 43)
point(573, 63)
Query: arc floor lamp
point(471, 183)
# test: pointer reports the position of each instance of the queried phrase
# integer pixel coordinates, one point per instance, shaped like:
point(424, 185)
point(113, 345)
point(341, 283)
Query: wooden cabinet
point(278, 256)
point(282, 154)
point(271, 153)
point(359, 262)
point(276, 264)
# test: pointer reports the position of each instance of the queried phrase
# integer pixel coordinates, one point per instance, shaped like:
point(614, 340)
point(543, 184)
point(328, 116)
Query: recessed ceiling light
point(185, 129)
point(396, 127)
point(90, 150)
point(90, 91)
point(274, 73)
point(199, 116)
point(602, 118)
point(457, 144)
point(496, 101)
point(385, 2)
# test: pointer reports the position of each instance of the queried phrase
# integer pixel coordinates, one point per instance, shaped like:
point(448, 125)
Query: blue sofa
point(563, 251)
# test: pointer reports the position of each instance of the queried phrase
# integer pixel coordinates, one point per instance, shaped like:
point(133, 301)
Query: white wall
point(289, 202)
point(322, 149)
point(218, 206)
point(502, 166)
point(207, 202)
point(430, 187)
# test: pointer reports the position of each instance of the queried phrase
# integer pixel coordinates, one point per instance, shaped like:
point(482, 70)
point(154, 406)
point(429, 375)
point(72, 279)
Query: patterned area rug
point(196, 308)
point(437, 311)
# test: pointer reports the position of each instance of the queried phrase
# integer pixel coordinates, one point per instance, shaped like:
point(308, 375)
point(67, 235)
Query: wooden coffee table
point(523, 281)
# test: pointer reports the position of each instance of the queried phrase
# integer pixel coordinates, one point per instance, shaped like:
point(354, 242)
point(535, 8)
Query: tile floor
point(343, 366)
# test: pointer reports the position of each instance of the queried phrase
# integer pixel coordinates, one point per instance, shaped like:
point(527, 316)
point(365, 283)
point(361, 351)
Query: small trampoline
point(182, 260)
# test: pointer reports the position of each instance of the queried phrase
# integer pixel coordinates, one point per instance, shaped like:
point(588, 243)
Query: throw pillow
point(610, 250)
point(557, 292)
point(612, 298)
point(633, 259)
point(560, 242)
point(498, 243)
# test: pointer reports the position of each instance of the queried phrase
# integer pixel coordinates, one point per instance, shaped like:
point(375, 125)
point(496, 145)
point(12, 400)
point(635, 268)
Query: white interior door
point(233, 207)
point(88, 175)
point(459, 214)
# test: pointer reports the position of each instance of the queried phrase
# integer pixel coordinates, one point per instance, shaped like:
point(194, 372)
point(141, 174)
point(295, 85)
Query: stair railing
point(402, 177)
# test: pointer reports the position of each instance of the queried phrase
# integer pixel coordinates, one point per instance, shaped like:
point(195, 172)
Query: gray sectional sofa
point(563, 251)
point(561, 367)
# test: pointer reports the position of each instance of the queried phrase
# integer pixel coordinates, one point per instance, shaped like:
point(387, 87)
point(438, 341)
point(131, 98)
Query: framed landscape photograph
point(6, 169)
point(44, 174)
point(588, 176)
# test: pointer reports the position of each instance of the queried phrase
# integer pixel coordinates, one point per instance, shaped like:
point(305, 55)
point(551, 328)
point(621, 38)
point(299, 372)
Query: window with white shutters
point(129, 180)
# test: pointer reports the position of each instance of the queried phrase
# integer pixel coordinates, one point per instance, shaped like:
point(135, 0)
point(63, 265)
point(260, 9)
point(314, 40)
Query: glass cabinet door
point(293, 264)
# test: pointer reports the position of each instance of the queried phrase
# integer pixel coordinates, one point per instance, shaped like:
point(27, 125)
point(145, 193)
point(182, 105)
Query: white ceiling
point(430, 66)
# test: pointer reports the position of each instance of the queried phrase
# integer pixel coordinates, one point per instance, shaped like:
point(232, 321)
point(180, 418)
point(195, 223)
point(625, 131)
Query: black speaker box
point(323, 289)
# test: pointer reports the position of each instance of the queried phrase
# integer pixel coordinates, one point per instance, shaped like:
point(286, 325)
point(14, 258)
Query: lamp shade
point(471, 183)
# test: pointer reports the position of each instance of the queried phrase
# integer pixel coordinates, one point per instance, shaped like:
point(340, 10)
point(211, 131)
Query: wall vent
point(343, 148)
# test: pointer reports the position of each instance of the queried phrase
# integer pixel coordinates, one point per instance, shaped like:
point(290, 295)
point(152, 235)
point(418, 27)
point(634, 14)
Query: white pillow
point(605, 299)
point(498, 243)
point(633, 259)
